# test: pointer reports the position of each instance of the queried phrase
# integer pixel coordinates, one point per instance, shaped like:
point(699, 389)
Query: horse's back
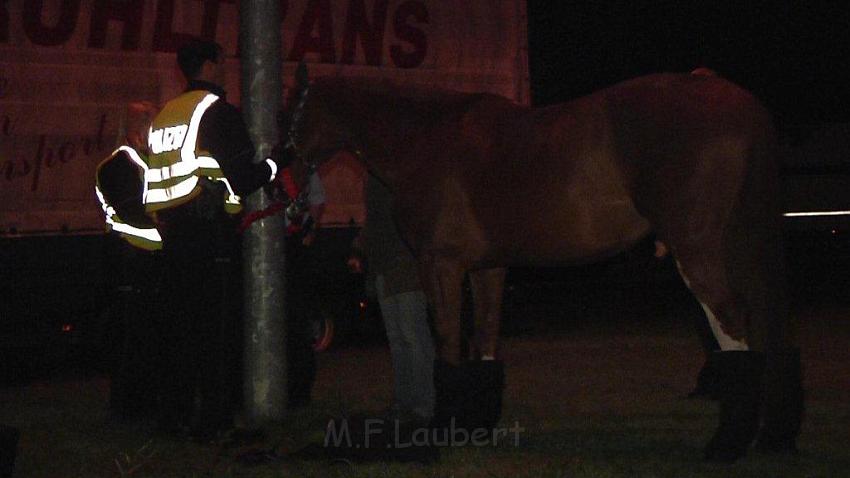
point(665, 111)
point(590, 177)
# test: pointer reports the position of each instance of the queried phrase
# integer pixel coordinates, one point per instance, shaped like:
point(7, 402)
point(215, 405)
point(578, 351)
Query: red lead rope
point(291, 189)
point(288, 182)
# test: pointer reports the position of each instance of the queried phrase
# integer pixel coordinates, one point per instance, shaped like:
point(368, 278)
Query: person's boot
point(8, 450)
point(469, 393)
point(783, 402)
point(740, 399)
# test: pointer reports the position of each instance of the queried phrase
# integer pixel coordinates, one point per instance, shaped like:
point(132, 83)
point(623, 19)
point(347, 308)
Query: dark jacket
point(386, 253)
point(223, 133)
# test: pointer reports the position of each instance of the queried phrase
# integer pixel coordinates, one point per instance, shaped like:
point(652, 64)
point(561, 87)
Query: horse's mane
point(426, 101)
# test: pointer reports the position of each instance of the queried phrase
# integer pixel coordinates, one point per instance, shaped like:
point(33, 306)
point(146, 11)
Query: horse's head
point(312, 134)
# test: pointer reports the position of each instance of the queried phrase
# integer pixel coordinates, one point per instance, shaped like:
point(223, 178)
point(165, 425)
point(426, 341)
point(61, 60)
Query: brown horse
point(481, 183)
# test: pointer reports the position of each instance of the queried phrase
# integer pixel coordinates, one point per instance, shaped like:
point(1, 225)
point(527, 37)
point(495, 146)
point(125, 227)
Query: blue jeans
point(412, 349)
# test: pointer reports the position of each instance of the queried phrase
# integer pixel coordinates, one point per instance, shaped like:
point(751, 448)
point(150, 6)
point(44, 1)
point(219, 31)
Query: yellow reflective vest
point(177, 163)
point(120, 192)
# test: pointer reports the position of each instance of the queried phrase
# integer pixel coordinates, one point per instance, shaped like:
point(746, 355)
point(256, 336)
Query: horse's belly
point(582, 232)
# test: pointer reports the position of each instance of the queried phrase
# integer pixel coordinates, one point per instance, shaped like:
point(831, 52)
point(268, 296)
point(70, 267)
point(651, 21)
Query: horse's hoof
point(468, 395)
point(740, 376)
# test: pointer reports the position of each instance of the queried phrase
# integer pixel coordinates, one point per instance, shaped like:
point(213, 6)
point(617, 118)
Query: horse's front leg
point(468, 394)
point(487, 290)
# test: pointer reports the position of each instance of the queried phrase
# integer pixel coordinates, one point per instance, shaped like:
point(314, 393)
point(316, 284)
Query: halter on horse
point(481, 183)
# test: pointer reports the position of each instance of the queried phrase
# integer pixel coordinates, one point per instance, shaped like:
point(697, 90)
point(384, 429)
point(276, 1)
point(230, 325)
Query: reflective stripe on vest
point(143, 238)
point(176, 181)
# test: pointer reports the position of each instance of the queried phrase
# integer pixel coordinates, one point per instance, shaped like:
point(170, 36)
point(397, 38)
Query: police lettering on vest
point(178, 162)
point(167, 139)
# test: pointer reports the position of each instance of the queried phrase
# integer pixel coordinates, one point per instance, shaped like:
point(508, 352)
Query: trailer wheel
point(322, 328)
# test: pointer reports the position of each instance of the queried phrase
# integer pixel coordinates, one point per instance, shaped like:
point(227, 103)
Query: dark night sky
point(789, 53)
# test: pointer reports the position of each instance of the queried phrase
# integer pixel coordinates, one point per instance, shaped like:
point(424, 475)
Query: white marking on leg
point(725, 341)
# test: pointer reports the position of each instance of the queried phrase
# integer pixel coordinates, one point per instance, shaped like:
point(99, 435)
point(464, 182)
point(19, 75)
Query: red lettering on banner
point(167, 40)
point(318, 11)
point(372, 36)
point(209, 24)
point(100, 128)
point(39, 156)
point(163, 38)
point(87, 143)
point(364, 28)
point(12, 170)
point(4, 20)
point(128, 13)
point(67, 152)
point(411, 34)
point(8, 166)
point(58, 34)
point(48, 157)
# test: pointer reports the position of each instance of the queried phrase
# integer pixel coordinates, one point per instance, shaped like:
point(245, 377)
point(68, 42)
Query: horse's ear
point(301, 78)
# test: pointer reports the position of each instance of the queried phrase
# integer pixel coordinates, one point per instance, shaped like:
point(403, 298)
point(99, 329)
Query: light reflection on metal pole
point(265, 330)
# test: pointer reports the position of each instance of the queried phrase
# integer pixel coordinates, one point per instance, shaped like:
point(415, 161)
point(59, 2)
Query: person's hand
point(281, 156)
point(274, 191)
point(661, 249)
point(355, 264)
point(309, 238)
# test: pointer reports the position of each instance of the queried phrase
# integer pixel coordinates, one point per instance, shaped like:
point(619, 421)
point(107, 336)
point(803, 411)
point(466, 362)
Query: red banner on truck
point(69, 67)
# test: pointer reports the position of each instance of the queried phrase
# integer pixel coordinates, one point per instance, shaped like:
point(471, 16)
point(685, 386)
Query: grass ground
point(593, 398)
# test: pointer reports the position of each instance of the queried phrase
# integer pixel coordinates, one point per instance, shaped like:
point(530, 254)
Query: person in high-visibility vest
point(120, 182)
point(120, 186)
point(200, 166)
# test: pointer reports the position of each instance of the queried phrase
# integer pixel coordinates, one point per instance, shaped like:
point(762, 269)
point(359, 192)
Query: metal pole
point(265, 324)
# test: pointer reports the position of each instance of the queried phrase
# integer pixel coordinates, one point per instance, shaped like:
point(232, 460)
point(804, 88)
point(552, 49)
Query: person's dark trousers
point(9, 437)
point(135, 378)
point(201, 363)
point(301, 357)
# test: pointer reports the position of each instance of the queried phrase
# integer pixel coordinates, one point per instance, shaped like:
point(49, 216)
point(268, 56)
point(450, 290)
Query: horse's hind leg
point(726, 341)
point(487, 289)
point(761, 277)
point(704, 270)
